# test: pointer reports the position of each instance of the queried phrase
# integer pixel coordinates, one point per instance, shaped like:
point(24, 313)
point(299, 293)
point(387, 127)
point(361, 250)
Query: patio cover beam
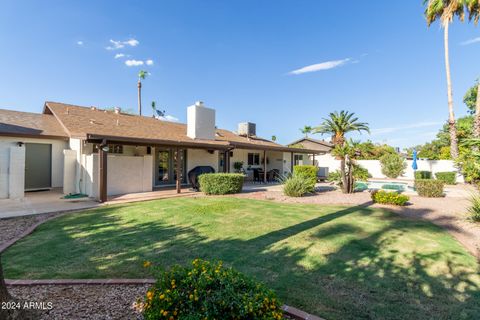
point(102, 162)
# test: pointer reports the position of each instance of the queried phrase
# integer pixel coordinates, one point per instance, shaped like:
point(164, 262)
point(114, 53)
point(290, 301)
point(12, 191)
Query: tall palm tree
point(445, 11)
point(474, 14)
point(338, 124)
point(306, 130)
point(141, 76)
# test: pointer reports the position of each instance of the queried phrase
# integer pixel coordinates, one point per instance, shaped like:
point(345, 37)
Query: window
point(112, 148)
point(298, 159)
point(254, 159)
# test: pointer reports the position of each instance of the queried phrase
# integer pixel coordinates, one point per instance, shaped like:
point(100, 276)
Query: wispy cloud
point(114, 45)
point(119, 55)
point(321, 66)
point(404, 127)
point(80, 43)
point(149, 62)
point(133, 63)
point(470, 41)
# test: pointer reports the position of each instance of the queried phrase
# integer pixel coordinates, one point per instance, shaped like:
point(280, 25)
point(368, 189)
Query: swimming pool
point(384, 185)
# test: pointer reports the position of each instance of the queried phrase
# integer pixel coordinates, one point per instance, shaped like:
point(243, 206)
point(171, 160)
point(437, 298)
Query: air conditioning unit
point(247, 129)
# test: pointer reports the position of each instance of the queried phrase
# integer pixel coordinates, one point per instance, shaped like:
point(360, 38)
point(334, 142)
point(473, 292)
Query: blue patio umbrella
point(414, 163)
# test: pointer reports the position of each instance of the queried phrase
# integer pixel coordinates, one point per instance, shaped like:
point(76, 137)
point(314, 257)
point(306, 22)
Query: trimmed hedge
point(308, 172)
point(207, 290)
point(221, 183)
point(429, 188)
point(447, 177)
point(385, 197)
point(421, 174)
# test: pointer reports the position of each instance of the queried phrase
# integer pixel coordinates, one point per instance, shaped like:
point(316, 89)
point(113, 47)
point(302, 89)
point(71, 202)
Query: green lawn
point(337, 262)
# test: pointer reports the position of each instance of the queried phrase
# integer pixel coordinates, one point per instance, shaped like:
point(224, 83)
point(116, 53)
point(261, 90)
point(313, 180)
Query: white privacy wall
point(375, 169)
point(125, 174)
point(200, 157)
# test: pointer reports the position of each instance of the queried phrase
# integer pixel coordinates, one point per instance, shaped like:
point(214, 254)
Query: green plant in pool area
point(393, 165)
point(447, 177)
point(309, 173)
point(221, 183)
point(429, 188)
point(422, 174)
point(388, 197)
point(207, 290)
point(297, 186)
point(474, 209)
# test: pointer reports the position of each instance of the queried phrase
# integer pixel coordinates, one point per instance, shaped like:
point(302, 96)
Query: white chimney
point(200, 122)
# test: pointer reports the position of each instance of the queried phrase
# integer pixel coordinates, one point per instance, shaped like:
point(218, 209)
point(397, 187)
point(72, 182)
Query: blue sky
point(243, 58)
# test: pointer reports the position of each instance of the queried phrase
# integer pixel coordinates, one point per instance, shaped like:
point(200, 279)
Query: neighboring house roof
point(96, 124)
point(27, 124)
point(310, 143)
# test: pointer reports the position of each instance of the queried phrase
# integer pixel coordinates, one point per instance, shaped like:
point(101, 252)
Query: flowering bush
point(385, 197)
point(209, 291)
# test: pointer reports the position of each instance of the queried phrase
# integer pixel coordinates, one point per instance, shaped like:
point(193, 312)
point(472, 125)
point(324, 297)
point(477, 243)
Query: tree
point(274, 138)
point(472, 100)
point(141, 76)
point(306, 130)
point(347, 153)
point(445, 11)
point(340, 123)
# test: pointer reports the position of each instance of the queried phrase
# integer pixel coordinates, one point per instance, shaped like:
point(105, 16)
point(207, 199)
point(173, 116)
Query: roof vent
point(199, 104)
point(117, 110)
point(247, 129)
point(93, 108)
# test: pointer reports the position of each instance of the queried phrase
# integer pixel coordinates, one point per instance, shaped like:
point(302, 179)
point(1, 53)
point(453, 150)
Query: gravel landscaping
point(11, 228)
point(93, 302)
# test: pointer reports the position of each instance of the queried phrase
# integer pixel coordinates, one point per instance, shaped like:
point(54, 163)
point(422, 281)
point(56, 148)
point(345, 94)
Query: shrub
point(308, 172)
point(221, 183)
point(360, 173)
point(297, 186)
point(423, 175)
point(335, 176)
point(474, 209)
point(385, 197)
point(208, 291)
point(393, 165)
point(429, 188)
point(447, 177)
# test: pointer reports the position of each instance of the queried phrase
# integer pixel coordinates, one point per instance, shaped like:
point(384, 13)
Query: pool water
point(384, 185)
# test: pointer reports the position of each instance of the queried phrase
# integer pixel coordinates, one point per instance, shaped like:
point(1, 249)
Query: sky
point(280, 64)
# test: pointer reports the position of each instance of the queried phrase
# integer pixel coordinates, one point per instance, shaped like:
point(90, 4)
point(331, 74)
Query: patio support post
point(178, 170)
point(264, 166)
point(102, 161)
point(313, 156)
point(225, 161)
point(291, 162)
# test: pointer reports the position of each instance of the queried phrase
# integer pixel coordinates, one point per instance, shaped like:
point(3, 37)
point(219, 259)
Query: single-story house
point(321, 147)
point(100, 152)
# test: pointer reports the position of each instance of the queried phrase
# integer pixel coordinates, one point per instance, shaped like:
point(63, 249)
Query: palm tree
point(339, 123)
point(274, 138)
point(306, 130)
point(154, 108)
point(445, 11)
point(141, 76)
point(474, 14)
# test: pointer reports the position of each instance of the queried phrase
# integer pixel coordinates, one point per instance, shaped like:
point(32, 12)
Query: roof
point(319, 145)
point(27, 124)
point(95, 124)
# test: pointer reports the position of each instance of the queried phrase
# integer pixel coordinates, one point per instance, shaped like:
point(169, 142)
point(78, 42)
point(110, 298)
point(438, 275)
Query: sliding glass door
point(165, 166)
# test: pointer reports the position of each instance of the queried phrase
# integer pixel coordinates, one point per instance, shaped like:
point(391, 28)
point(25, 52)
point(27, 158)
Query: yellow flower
point(162, 296)
point(175, 312)
point(149, 295)
point(147, 264)
point(165, 313)
point(190, 297)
